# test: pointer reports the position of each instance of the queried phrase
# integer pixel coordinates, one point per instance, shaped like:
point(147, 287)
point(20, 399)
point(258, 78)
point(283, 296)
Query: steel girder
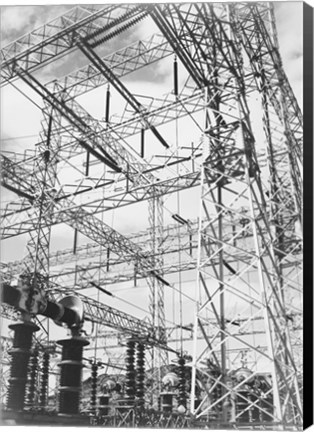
point(13, 211)
point(86, 266)
point(231, 160)
point(59, 36)
point(89, 225)
point(107, 150)
point(101, 314)
point(186, 23)
point(121, 62)
point(139, 55)
point(272, 81)
point(136, 192)
point(14, 221)
point(120, 87)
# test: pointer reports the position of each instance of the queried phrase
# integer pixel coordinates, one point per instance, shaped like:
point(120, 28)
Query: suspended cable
point(18, 137)
point(144, 310)
point(27, 97)
point(107, 113)
point(177, 216)
point(102, 220)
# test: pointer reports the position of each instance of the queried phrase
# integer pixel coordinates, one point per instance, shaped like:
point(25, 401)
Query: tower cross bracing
point(219, 152)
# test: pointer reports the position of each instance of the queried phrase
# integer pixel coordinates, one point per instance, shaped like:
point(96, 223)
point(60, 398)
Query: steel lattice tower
point(229, 133)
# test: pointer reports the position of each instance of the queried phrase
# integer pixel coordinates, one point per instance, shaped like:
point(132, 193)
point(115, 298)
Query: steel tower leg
point(156, 297)
point(230, 162)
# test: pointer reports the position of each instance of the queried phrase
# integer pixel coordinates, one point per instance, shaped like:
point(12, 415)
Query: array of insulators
point(107, 105)
point(140, 374)
point(248, 405)
point(112, 24)
point(130, 371)
point(175, 76)
point(182, 382)
point(119, 30)
point(44, 380)
point(94, 386)
point(71, 372)
point(33, 376)
point(20, 354)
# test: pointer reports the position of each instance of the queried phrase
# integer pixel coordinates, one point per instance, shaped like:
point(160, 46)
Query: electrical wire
point(178, 208)
point(142, 309)
point(18, 137)
point(27, 97)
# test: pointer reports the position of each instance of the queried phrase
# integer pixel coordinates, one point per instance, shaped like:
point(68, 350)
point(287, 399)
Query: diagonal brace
point(119, 86)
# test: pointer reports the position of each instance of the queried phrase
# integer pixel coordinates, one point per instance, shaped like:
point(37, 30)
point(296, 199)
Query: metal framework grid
point(243, 246)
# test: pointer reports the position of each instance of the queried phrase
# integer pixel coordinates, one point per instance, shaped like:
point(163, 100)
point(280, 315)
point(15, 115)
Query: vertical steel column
point(156, 301)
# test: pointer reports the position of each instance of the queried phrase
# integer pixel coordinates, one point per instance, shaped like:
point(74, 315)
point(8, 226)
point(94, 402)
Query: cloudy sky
point(20, 118)
point(18, 21)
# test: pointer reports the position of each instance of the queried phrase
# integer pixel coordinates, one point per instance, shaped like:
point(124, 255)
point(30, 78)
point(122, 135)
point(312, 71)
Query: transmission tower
point(215, 162)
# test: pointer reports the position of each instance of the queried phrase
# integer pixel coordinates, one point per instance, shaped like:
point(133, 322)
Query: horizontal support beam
point(94, 311)
point(57, 37)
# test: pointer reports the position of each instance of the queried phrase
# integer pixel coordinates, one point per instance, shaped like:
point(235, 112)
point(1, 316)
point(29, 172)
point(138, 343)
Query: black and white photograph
point(152, 215)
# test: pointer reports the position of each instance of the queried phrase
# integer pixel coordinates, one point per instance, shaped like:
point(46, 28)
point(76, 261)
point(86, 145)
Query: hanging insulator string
point(87, 164)
point(44, 380)
point(175, 76)
point(142, 142)
point(176, 216)
point(33, 373)
point(130, 373)
point(140, 374)
point(94, 386)
point(107, 105)
point(75, 241)
point(182, 382)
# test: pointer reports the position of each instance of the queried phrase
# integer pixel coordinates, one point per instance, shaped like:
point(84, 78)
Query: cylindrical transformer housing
point(20, 354)
point(104, 405)
point(167, 401)
point(71, 374)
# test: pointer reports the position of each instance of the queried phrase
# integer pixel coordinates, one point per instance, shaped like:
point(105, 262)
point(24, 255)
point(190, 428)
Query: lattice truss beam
point(246, 243)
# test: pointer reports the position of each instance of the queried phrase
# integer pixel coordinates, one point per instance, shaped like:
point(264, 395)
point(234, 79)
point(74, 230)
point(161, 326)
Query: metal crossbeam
point(119, 86)
point(122, 62)
point(246, 245)
point(52, 40)
point(113, 155)
point(89, 225)
point(101, 314)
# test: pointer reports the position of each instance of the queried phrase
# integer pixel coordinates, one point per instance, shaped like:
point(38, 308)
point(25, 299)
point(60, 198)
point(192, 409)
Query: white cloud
point(16, 21)
point(20, 117)
point(289, 21)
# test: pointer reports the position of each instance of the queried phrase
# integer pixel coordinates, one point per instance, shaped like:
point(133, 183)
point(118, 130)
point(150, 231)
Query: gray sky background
point(20, 118)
